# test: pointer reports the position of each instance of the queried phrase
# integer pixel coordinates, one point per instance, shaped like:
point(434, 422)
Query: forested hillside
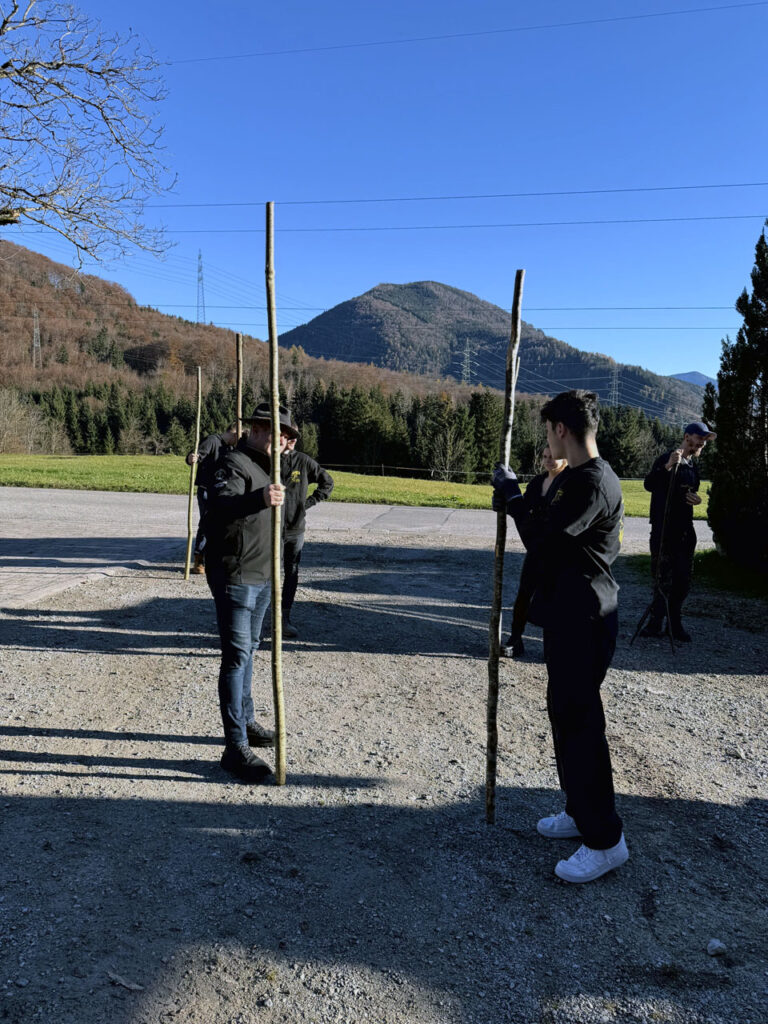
point(93, 331)
point(111, 376)
point(431, 328)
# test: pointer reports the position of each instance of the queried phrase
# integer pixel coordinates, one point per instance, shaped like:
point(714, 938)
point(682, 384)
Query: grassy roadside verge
point(151, 474)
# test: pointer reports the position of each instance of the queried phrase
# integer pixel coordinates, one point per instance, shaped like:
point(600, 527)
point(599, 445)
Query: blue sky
point(635, 103)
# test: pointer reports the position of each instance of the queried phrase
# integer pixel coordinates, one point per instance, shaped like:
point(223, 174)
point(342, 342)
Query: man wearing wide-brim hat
point(673, 542)
point(239, 570)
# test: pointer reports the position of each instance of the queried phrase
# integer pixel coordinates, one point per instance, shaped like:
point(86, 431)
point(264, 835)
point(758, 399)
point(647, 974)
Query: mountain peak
point(431, 328)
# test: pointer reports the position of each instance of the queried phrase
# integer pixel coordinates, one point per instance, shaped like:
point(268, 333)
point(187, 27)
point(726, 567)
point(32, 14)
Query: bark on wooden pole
point(277, 532)
point(239, 383)
point(494, 647)
point(193, 474)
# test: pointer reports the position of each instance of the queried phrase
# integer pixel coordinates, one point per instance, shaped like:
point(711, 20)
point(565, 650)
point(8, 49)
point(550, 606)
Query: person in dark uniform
point(298, 471)
point(238, 565)
point(575, 543)
point(537, 493)
point(206, 457)
point(672, 562)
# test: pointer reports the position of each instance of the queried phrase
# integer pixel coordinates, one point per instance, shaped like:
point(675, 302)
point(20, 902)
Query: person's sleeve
point(572, 510)
point(524, 512)
point(205, 447)
point(658, 477)
point(317, 475)
point(229, 495)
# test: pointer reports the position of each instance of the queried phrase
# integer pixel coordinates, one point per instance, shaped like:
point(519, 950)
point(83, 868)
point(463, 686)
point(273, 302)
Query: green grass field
point(169, 474)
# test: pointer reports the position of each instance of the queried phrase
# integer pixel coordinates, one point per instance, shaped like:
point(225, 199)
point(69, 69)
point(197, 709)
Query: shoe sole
point(562, 873)
point(258, 742)
point(571, 834)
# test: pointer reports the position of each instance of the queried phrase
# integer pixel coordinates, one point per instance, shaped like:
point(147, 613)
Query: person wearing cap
point(238, 566)
point(298, 471)
point(574, 543)
point(207, 457)
point(672, 566)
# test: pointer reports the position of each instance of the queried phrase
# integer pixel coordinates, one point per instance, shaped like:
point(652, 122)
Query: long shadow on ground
point(446, 910)
point(370, 599)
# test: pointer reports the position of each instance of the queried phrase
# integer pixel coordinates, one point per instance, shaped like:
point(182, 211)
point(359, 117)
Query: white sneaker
point(586, 864)
point(558, 826)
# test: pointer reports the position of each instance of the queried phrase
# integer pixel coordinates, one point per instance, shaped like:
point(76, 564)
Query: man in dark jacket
point(206, 457)
point(574, 544)
point(673, 543)
point(298, 471)
point(238, 566)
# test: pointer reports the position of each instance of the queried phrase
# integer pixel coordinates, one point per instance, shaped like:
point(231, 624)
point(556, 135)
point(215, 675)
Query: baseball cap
point(701, 429)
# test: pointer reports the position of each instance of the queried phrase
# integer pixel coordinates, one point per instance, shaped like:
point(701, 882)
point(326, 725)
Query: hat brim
point(288, 431)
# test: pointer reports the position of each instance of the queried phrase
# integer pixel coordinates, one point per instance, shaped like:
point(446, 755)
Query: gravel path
point(138, 885)
point(70, 537)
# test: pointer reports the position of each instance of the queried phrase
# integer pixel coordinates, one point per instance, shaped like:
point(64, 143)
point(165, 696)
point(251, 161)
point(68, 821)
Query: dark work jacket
point(658, 482)
point(532, 506)
point(209, 454)
point(238, 523)
point(574, 543)
point(297, 472)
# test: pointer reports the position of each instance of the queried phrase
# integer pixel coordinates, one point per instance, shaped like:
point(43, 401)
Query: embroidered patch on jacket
point(295, 476)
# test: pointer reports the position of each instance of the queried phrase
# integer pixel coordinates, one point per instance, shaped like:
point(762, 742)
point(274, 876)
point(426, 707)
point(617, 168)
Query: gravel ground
point(139, 885)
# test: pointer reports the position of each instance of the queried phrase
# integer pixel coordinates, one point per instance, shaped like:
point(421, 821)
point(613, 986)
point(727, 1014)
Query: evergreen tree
point(88, 431)
point(308, 440)
point(738, 504)
point(72, 421)
point(176, 438)
point(487, 413)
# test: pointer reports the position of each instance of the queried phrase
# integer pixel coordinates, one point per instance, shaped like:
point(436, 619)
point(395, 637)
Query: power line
point(464, 227)
point(469, 35)
point(455, 198)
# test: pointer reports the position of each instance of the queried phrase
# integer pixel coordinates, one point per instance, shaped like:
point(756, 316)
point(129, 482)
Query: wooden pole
point(277, 532)
point(193, 473)
point(239, 382)
point(505, 443)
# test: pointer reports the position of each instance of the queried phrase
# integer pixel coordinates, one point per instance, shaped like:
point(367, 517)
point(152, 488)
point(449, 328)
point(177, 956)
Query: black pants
point(675, 569)
point(202, 505)
point(525, 589)
point(578, 655)
point(291, 557)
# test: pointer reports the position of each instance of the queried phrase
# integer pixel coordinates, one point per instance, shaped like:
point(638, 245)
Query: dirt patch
point(138, 884)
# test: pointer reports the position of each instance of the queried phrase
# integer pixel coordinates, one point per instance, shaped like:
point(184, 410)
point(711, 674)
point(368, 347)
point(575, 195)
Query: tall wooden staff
point(498, 572)
point(239, 383)
point(193, 473)
point(277, 539)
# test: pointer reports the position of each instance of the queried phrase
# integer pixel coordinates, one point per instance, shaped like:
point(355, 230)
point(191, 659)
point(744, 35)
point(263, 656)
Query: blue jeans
point(240, 610)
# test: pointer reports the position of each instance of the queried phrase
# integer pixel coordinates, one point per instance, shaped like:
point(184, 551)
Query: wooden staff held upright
point(498, 572)
point(277, 531)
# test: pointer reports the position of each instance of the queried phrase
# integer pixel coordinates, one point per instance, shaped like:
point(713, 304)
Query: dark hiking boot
point(258, 736)
point(514, 648)
point(680, 633)
point(289, 632)
point(244, 765)
point(199, 567)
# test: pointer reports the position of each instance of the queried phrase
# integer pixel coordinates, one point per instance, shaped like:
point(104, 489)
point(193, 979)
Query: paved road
point(53, 539)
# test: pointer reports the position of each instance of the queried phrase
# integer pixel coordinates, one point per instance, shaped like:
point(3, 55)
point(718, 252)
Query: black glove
point(498, 502)
point(505, 483)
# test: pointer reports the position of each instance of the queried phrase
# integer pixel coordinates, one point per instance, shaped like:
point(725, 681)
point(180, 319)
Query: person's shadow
point(202, 904)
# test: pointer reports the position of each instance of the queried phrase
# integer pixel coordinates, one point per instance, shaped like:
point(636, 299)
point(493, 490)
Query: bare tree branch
point(80, 145)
